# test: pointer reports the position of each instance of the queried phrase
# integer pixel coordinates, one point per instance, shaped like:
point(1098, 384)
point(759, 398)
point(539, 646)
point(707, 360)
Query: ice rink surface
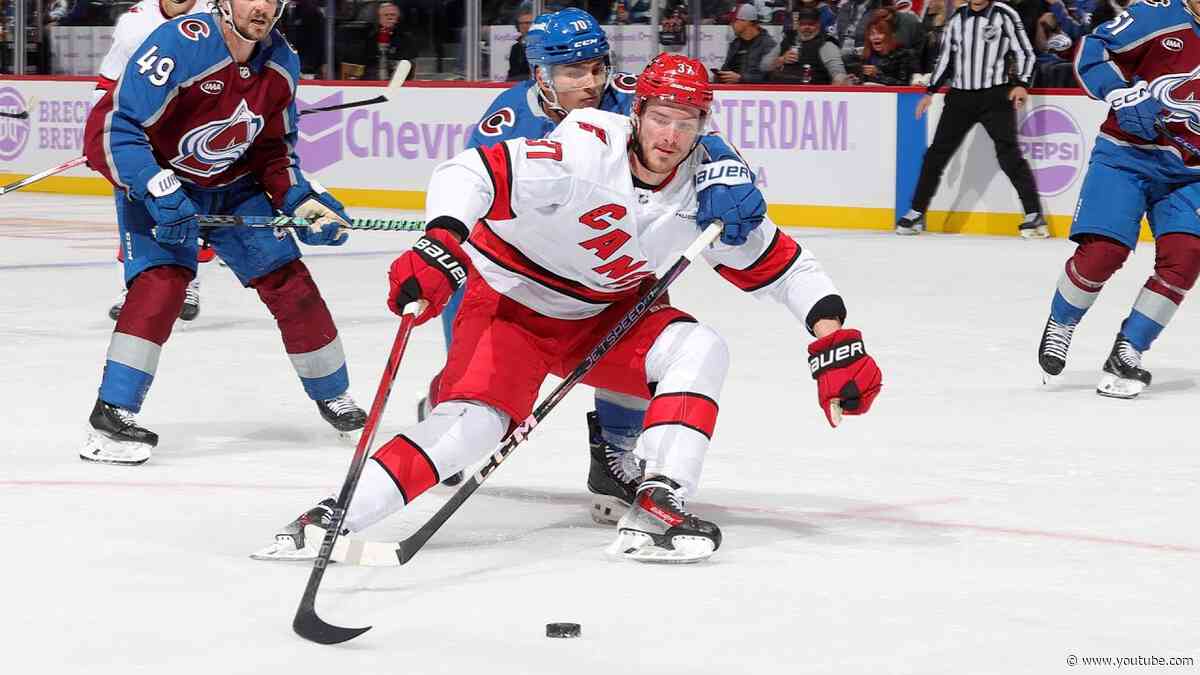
point(973, 522)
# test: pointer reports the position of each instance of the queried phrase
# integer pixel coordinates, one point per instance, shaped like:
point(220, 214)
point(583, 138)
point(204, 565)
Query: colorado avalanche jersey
point(183, 103)
point(561, 228)
point(517, 112)
point(131, 30)
point(1155, 41)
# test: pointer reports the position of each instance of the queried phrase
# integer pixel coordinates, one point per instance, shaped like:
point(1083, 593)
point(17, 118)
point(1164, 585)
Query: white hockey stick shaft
point(29, 180)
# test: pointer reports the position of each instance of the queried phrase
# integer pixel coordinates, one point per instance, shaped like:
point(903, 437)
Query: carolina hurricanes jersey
point(517, 111)
point(131, 30)
point(183, 103)
point(1154, 41)
point(562, 229)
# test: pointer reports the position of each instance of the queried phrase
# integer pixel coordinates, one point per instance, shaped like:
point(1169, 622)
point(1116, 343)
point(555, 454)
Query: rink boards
point(828, 157)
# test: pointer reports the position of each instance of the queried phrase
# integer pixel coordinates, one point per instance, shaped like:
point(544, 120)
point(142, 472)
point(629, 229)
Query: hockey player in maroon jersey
point(203, 120)
point(567, 229)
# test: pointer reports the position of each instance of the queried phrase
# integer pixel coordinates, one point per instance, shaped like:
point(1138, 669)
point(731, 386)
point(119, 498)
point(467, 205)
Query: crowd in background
point(869, 42)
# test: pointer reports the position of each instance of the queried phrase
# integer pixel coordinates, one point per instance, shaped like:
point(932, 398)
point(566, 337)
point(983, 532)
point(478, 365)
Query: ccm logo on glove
point(433, 254)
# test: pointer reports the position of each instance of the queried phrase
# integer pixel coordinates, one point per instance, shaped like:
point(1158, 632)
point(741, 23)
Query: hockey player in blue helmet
point(568, 58)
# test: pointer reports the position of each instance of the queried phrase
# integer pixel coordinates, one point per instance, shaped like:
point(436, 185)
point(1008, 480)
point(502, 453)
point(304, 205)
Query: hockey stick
point(1161, 125)
point(28, 180)
point(394, 554)
point(306, 623)
point(402, 70)
point(24, 114)
point(380, 224)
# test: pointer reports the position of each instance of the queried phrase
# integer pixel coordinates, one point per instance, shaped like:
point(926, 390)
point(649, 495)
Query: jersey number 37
point(161, 66)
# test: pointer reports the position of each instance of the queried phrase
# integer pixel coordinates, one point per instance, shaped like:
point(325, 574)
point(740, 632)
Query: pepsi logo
point(212, 86)
point(14, 133)
point(193, 29)
point(1052, 142)
point(494, 124)
point(1173, 44)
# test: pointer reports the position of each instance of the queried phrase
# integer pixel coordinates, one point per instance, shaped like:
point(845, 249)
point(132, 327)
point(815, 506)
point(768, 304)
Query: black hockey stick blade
point(343, 106)
point(314, 629)
point(24, 114)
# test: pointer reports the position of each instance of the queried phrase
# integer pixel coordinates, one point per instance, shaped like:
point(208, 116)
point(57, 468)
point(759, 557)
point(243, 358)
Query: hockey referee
point(978, 38)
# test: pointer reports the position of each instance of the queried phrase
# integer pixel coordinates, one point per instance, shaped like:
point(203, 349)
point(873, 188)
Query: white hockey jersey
point(132, 29)
point(561, 228)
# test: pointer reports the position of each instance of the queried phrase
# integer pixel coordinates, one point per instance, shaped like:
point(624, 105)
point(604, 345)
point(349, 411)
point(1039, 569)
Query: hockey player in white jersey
point(566, 229)
point(132, 29)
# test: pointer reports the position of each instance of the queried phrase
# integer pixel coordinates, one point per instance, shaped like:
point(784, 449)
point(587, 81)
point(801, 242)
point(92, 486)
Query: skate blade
point(608, 510)
point(1036, 233)
point(1113, 386)
point(349, 437)
point(1050, 380)
point(640, 547)
point(102, 450)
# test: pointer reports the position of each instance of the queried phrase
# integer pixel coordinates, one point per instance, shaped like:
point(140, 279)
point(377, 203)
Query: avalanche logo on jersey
point(210, 149)
point(624, 83)
point(193, 29)
point(1177, 93)
point(493, 125)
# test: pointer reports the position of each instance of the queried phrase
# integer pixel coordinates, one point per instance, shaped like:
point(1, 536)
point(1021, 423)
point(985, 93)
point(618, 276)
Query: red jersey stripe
point(782, 252)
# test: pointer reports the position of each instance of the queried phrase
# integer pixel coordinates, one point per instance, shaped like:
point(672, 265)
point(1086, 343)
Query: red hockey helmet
point(674, 78)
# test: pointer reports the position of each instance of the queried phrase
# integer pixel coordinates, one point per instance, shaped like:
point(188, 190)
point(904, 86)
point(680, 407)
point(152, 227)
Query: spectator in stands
point(1055, 54)
point(627, 12)
point(828, 16)
point(852, 20)
point(306, 32)
point(518, 65)
point(808, 55)
point(1029, 11)
point(387, 43)
point(78, 13)
point(884, 61)
point(750, 53)
point(1106, 10)
point(716, 11)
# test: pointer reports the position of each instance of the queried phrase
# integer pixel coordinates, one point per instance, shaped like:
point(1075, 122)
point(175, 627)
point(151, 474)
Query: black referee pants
point(965, 107)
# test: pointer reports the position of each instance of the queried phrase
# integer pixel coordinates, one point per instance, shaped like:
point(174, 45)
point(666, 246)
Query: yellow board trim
point(791, 215)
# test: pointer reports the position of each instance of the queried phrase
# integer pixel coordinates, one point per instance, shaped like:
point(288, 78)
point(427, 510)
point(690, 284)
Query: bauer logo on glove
point(848, 379)
point(435, 254)
point(724, 172)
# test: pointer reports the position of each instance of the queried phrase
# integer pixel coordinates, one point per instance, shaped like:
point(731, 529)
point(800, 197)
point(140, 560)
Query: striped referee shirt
point(974, 45)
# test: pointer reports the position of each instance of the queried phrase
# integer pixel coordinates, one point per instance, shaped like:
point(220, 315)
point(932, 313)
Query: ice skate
point(612, 478)
point(1123, 374)
point(343, 414)
point(1052, 352)
point(658, 529)
point(115, 311)
point(301, 539)
point(910, 226)
point(191, 301)
point(1035, 228)
point(116, 438)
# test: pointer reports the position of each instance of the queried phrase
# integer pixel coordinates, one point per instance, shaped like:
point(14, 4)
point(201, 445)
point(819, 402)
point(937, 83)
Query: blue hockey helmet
point(570, 35)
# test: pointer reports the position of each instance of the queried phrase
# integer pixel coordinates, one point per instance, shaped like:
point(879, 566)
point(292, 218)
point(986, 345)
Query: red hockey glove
point(847, 378)
point(434, 268)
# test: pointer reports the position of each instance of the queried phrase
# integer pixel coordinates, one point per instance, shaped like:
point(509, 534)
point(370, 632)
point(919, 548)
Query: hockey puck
point(562, 630)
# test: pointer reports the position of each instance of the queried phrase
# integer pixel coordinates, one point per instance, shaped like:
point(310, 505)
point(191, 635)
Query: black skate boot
point(293, 542)
point(191, 301)
point(658, 529)
point(342, 413)
point(116, 437)
point(910, 226)
point(1123, 374)
point(1034, 228)
point(613, 477)
point(1052, 352)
